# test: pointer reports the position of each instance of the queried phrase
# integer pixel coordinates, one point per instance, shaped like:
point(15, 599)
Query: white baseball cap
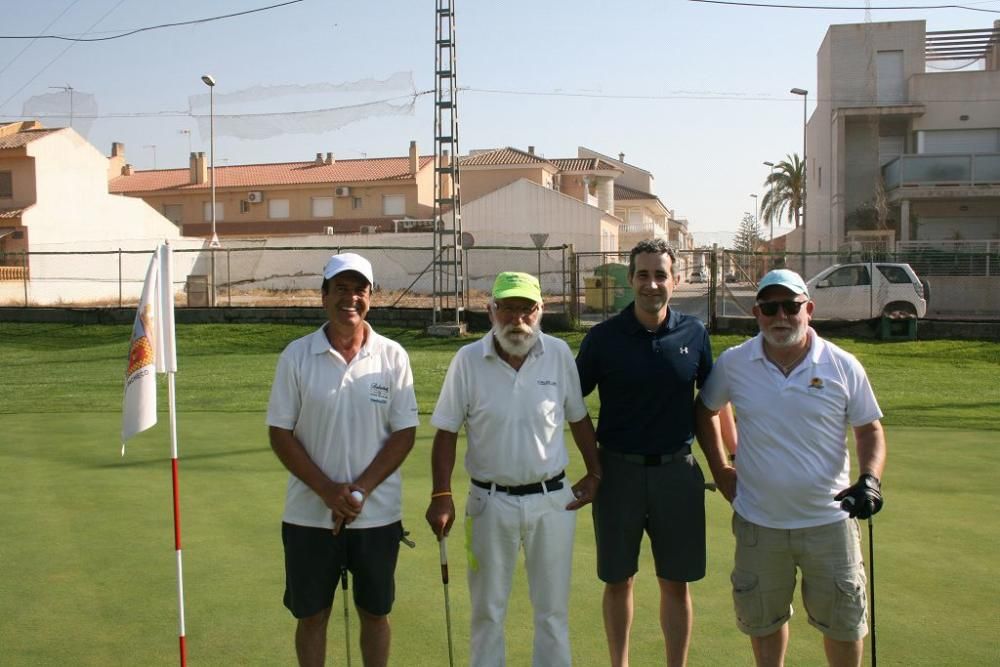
point(348, 261)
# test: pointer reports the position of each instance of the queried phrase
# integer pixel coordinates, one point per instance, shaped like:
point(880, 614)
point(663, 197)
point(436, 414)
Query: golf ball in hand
point(357, 495)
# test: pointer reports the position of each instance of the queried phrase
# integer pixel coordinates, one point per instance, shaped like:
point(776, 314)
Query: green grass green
point(87, 551)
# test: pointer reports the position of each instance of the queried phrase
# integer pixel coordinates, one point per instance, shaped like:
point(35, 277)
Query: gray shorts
point(667, 502)
point(833, 578)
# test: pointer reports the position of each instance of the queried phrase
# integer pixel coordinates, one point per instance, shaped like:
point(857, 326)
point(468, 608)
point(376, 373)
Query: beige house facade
point(901, 146)
point(54, 199)
point(321, 196)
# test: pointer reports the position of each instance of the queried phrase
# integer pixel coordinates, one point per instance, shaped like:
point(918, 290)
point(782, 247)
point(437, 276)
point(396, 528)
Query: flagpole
point(167, 363)
point(175, 477)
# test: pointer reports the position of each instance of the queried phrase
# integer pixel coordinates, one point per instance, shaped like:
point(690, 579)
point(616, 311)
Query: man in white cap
point(342, 417)
point(513, 390)
point(795, 395)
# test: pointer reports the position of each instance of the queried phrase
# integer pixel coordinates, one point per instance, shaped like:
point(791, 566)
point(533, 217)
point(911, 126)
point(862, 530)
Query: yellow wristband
point(440, 494)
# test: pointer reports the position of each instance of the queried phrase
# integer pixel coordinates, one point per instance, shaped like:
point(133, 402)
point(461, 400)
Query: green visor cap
point(513, 284)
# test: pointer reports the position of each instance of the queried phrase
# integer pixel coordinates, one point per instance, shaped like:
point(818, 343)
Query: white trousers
point(497, 525)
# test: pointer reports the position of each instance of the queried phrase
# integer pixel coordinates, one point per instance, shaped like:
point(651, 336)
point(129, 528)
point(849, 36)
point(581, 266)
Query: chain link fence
point(255, 274)
point(956, 280)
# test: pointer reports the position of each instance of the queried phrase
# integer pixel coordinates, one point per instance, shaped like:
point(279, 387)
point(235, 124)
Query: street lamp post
point(770, 190)
point(805, 169)
point(210, 82)
point(755, 209)
point(214, 243)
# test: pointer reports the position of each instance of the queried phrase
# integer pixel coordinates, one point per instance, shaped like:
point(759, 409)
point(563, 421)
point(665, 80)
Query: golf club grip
point(444, 560)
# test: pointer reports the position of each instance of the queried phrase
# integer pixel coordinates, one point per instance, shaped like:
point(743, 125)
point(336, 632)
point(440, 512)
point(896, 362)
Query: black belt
point(650, 459)
point(553, 484)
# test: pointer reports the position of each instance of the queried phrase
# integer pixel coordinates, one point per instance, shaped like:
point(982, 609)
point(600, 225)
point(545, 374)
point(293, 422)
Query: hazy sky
point(695, 93)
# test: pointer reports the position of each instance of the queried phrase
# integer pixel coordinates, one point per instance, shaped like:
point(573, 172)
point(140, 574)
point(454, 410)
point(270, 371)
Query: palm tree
point(786, 188)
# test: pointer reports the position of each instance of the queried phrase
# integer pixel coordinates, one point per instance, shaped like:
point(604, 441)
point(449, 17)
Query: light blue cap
point(783, 278)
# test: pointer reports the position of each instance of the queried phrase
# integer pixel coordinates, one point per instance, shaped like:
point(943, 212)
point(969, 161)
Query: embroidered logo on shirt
point(548, 383)
point(378, 393)
point(684, 350)
point(816, 383)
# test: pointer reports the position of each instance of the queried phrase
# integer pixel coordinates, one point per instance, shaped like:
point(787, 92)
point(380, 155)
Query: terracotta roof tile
point(502, 156)
point(583, 164)
point(25, 137)
point(284, 173)
point(622, 192)
point(10, 213)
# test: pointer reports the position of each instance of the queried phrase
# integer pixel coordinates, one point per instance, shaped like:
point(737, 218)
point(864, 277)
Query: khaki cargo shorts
point(833, 578)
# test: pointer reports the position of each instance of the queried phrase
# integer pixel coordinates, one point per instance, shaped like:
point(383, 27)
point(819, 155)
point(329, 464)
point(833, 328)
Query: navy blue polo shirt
point(645, 380)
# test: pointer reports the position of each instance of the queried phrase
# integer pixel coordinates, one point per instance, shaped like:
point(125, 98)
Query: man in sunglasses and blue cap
point(795, 395)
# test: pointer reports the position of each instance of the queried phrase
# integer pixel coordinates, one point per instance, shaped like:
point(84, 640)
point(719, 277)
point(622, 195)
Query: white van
point(867, 290)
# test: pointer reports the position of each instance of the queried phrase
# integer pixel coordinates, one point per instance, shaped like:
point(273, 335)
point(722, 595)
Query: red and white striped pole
point(169, 366)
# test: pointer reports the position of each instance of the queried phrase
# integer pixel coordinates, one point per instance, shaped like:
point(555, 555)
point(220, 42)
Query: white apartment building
point(904, 143)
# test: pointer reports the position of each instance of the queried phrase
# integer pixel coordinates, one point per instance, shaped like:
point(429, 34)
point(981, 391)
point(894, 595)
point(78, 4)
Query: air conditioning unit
point(369, 229)
point(329, 231)
point(342, 191)
point(255, 197)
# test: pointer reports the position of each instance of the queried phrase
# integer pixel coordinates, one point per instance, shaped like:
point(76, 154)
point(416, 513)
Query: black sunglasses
point(770, 308)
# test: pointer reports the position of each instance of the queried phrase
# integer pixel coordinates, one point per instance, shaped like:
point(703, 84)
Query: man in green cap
point(513, 390)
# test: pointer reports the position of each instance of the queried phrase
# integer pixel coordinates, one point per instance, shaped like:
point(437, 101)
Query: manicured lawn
point(88, 566)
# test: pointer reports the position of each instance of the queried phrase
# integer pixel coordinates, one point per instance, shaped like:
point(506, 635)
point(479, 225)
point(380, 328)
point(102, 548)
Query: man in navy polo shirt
point(645, 363)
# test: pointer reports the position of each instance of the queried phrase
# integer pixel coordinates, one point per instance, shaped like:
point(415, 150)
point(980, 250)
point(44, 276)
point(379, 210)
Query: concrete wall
point(964, 296)
point(477, 182)
point(949, 95)
point(419, 204)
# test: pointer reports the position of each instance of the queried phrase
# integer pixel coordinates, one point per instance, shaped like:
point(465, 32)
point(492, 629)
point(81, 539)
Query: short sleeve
point(449, 413)
point(285, 402)
point(715, 391)
point(403, 409)
point(586, 364)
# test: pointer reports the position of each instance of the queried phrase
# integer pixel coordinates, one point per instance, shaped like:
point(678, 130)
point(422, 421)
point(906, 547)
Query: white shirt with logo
point(792, 456)
point(342, 413)
point(514, 419)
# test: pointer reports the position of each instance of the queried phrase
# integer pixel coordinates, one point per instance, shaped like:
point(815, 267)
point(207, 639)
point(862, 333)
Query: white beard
point(517, 339)
point(785, 338)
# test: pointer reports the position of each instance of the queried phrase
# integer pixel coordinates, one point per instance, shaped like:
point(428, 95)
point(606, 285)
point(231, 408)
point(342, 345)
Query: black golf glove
point(863, 498)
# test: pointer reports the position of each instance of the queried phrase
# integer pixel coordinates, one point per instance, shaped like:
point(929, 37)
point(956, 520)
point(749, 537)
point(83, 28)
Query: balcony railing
point(13, 273)
point(951, 169)
point(649, 228)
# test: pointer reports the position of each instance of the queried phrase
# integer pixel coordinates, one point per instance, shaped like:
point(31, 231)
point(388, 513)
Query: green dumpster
point(619, 292)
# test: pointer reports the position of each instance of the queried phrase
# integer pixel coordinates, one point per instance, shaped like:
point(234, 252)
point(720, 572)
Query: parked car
point(698, 276)
point(867, 290)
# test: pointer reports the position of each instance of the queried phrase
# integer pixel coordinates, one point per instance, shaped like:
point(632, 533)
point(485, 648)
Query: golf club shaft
point(347, 617)
point(442, 546)
point(871, 583)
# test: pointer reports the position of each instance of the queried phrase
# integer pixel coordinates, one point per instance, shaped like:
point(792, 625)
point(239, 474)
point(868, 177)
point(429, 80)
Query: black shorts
point(314, 558)
point(665, 501)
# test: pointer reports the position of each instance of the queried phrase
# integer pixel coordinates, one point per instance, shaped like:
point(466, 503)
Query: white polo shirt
point(514, 419)
point(342, 413)
point(792, 432)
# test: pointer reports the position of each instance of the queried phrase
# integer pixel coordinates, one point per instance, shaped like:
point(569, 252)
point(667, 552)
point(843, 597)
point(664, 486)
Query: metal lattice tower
point(449, 261)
